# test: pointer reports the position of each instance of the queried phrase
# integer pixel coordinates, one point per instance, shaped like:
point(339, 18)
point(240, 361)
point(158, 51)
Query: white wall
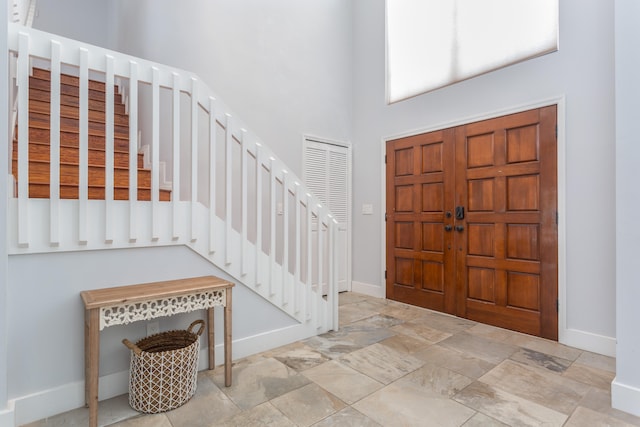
point(283, 66)
point(85, 20)
point(583, 72)
point(45, 315)
point(625, 390)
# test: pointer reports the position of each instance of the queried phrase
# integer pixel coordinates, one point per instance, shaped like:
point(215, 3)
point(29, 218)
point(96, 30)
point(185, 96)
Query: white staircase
point(232, 200)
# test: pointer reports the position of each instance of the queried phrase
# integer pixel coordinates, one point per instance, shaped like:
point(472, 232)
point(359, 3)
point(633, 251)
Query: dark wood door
point(472, 221)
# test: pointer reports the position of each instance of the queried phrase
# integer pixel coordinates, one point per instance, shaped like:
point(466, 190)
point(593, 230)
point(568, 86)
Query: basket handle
point(194, 324)
point(132, 346)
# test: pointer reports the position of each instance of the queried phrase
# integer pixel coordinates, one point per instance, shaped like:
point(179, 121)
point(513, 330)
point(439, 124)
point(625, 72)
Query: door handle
point(448, 227)
point(459, 228)
point(459, 212)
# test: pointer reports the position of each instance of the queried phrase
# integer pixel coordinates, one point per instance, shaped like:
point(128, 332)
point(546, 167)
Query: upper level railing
point(208, 158)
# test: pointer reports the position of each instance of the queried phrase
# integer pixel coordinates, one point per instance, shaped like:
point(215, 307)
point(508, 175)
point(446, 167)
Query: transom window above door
point(434, 43)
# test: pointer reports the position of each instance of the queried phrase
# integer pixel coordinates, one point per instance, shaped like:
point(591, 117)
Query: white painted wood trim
point(228, 184)
point(244, 196)
point(625, 397)
point(286, 298)
point(109, 147)
point(175, 179)
point(54, 146)
point(194, 156)
point(133, 150)
point(213, 146)
point(309, 285)
point(83, 163)
point(272, 225)
point(155, 153)
point(297, 274)
point(23, 140)
point(259, 216)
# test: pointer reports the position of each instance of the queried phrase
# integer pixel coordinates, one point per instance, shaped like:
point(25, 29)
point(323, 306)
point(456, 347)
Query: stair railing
point(232, 199)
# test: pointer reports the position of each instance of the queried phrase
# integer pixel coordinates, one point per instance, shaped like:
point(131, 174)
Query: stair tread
point(73, 139)
point(68, 79)
point(36, 94)
point(41, 191)
point(76, 148)
point(42, 121)
point(44, 107)
point(39, 142)
point(65, 89)
point(91, 165)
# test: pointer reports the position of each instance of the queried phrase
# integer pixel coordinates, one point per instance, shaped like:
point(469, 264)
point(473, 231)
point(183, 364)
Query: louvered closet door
point(327, 169)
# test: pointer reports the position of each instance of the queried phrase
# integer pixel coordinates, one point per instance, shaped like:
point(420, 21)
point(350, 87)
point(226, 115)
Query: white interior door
point(327, 172)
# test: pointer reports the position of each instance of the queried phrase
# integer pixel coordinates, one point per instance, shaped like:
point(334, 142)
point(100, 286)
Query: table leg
point(227, 339)
point(92, 354)
point(211, 339)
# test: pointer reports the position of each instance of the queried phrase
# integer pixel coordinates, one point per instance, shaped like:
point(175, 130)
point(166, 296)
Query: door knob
point(448, 227)
point(459, 228)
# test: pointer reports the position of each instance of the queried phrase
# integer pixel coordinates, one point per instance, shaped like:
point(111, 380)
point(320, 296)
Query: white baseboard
point(625, 397)
point(47, 403)
point(588, 341)
point(7, 416)
point(368, 289)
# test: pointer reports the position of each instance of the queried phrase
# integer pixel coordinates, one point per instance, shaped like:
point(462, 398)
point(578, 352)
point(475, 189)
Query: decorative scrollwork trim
point(123, 314)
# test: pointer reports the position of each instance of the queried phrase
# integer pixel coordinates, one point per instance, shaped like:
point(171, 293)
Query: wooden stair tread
point(39, 142)
point(73, 101)
point(72, 139)
point(69, 174)
point(45, 85)
point(42, 121)
point(96, 157)
point(41, 191)
point(44, 107)
point(44, 74)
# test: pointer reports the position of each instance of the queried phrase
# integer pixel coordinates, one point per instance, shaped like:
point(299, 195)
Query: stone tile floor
point(395, 365)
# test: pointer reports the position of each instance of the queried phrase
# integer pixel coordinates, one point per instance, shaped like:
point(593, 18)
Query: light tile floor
point(395, 365)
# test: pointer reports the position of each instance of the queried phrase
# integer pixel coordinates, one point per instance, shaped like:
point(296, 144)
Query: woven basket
point(164, 369)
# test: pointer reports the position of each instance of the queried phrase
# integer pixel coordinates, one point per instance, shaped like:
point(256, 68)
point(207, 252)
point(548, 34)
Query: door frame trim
point(564, 335)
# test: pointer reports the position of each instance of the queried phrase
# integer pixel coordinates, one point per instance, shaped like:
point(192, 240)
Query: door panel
point(471, 221)
point(419, 246)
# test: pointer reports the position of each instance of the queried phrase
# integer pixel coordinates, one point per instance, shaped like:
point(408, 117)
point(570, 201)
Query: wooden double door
point(472, 221)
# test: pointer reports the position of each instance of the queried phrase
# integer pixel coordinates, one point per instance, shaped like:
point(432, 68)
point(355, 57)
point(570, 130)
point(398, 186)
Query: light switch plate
point(367, 209)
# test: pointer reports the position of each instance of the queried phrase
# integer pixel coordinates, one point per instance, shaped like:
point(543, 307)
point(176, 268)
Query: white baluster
point(54, 144)
point(155, 153)
point(259, 216)
point(243, 240)
point(133, 151)
point(175, 179)
point(23, 139)
point(309, 287)
point(83, 115)
point(194, 157)
point(228, 186)
point(297, 274)
point(333, 269)
point(109, 144)
point(272, 233)
point(320, 266)
point(285, 236)
point(213, 128)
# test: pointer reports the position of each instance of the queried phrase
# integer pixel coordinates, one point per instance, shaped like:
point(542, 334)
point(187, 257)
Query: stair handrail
point(26, 43)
